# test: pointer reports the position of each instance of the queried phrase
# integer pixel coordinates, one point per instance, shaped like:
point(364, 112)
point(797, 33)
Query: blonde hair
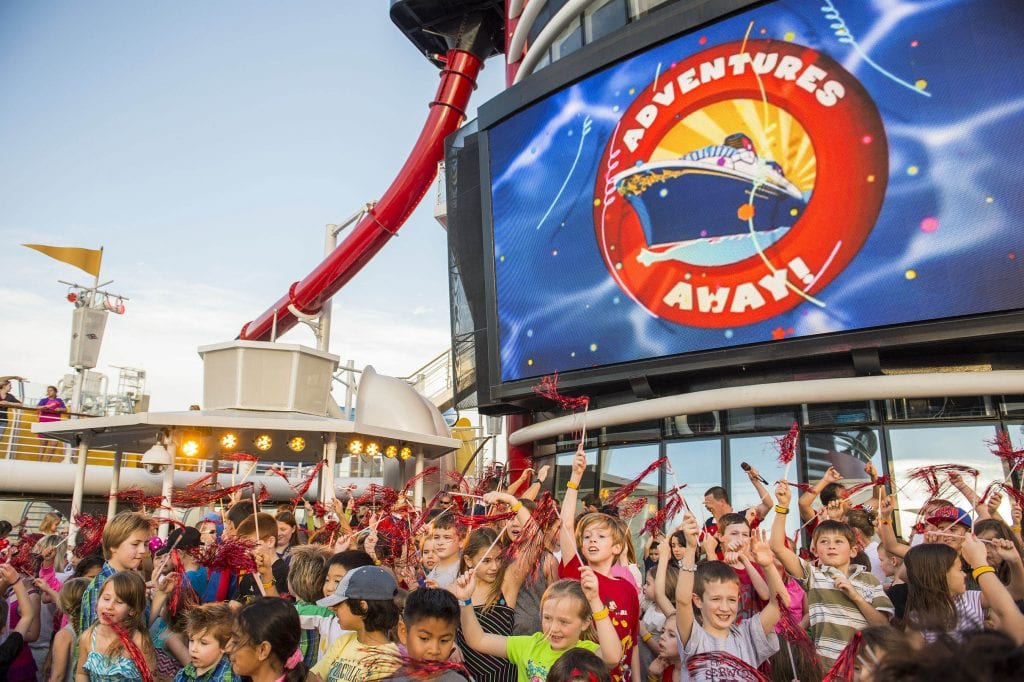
point(121, 527)
point(572, 589)
point(614, 525)
point(52, 541)
point(307, 572)
point(69, 599)
point(50, 523)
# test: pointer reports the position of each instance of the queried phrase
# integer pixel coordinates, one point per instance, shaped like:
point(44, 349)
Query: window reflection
point(928, 446)
point(697, 465)
point(761, 453)
point(848, 450)
point(563, 471)
point(622, 465)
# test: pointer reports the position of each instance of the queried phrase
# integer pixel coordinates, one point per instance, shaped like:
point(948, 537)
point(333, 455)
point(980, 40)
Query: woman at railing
point(6, 398)
point(50, 408)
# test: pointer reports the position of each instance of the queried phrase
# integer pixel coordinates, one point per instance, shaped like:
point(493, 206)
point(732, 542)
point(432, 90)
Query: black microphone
point(746, 467)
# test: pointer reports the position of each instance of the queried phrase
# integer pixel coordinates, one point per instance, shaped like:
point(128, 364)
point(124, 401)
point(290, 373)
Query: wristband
point(781, 510)
point(646, 637)
point(574, 486)
point(600, 615)
point(516, 507)
point(1015, 529)
point(466, 602)
point(981, 570)
point(688, 569)
point(885, 522)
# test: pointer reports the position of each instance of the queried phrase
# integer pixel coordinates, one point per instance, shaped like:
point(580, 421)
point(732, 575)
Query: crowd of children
point(510, 586)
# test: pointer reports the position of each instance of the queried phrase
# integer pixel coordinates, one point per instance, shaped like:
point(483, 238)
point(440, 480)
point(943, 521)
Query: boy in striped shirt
point(841, 599)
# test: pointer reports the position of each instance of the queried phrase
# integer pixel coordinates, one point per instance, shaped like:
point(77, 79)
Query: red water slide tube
point(447, 111)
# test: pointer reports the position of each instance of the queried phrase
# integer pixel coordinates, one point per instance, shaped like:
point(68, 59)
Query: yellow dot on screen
point(793, 211)
point(871, 178)
point(529, 361)
point(501, 258)
point(745, 212)
point(989, 200)
point(597, 202)
point(913, 170)
point(789, 37)
point(911, 274)
point(921, 84)
point(593, 347)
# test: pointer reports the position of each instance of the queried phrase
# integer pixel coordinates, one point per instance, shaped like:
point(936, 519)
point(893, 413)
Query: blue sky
point(205, 146)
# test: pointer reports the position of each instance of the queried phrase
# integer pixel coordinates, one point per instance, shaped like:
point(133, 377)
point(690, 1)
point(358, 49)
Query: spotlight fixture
point(229, 441)
point(297, 444)
point(355, 447)
point(391, 451)
point(190, 448)
point(406, 453)
point(372, 449)
point(263, 442)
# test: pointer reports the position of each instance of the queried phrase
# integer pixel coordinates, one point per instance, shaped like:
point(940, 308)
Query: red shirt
point(623, 604)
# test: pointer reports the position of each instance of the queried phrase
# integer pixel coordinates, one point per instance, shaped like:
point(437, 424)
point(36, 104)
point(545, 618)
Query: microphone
point(746, 467)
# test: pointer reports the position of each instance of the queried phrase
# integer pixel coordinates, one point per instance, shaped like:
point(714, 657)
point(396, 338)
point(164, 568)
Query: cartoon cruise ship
point(688, 206)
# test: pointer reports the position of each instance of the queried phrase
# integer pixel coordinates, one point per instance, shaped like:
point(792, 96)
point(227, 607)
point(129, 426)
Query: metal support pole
point(418, 488)
point(350, 382)
point(115, 483)
point(327, 473)
point(168, 489)
point(76, 496)
point(323, 331)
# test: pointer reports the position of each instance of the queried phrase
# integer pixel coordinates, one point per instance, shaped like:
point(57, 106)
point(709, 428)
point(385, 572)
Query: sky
point(205, 146)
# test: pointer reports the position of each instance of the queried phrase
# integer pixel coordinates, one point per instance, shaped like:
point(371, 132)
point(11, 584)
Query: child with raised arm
point(27, 614)
point(841, 598)
point(599, 539)
point(713, 587)
point(568, 609)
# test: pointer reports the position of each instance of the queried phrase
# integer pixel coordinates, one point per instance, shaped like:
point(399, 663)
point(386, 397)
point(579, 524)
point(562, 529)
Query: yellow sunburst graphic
point(776, 134)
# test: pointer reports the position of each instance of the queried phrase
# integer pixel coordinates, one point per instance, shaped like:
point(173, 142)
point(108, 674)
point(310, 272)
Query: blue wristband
point(466, 602)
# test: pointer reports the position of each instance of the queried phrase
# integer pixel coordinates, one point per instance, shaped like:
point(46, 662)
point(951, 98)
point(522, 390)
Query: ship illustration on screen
point(687, 205)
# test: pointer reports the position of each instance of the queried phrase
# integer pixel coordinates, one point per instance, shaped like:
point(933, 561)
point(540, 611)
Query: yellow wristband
point(574, 486)
point(601, 615)
point(981, 570)
point(646, 637)
point(1015, 529)
point(516, 507)
point(781, 510)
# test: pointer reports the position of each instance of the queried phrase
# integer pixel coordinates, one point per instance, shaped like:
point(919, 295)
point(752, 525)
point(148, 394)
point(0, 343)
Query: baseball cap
point(366, 582)
point(947, 515)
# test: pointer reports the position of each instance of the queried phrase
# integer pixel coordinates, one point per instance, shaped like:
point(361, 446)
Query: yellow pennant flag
point(84, 259)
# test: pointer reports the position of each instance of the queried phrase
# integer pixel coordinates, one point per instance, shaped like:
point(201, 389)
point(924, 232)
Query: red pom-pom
point(548, 388)
point(787, 444)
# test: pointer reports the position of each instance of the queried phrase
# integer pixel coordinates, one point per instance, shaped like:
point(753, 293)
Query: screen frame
point(665, 24)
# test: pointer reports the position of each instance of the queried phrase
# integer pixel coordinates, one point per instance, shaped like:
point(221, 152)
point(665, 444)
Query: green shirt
point(533, 655)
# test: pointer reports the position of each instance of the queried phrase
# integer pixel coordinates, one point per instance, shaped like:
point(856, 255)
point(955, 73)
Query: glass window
point(604, 19)
point(762, 418)
point(698, 465)
point(911, 448)
point(839, 413)
point(951, 407)
point(1013, 405)
point(640, 7)
point(848, 450)
point(636, 432)
point(619, 467)
point(762, 454)
point(570, 41)
point(693, 424)
point(563, 471)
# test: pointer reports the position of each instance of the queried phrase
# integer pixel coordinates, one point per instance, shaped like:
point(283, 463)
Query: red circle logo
point(739, 183)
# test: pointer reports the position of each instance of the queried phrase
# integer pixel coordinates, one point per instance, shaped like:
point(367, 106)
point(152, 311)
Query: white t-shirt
point(969, 616)
point(746, 641)
point(871, 551)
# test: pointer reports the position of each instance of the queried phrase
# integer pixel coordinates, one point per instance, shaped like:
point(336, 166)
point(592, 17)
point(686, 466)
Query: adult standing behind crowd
point(50, 410)
point(6, 398)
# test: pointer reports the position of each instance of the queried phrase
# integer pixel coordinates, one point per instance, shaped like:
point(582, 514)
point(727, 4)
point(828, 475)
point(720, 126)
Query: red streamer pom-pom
point(718, 665)
point(630, 508)
point(183, 597)
point(548, 388)
point(230, 554)
point(426, 473)
point(625, 491)
point(239, 457)
point(412, 667)
point(672, 505)
point(1002, 447)
point(854, 489)
point(133, 651)
point(488, 480)
point(90, 533)
point(21, 556)
point(787, 444)
point(470, 522)
point(138, 498)
point(529, 545)
point(930, 475)
point(302, 488)
point(843, 669)
point(790, 630)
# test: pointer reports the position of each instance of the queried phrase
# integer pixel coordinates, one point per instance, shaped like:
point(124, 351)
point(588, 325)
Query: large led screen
point(799, 169)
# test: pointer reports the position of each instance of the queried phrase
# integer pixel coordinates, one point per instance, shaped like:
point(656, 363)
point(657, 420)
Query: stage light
point(229, 441)
point(406, 453)
point(391, 451)
point(190, 448)
point(297, 444)
point(372, 449)
point(263, 442)
point(355, 447)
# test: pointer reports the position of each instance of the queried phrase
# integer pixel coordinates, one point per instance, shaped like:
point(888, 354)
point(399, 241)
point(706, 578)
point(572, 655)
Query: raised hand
point(588, 581)
point(887, 507)
point(752, 474)
point(783, 494)
point(994, 500)
point(871, 471)
point(759, 548)
point(691, 529)
point(1006, 550)
point(832, 476)
point(973, 550)
point(542, 475)
point(464, 586)
point(579, 462)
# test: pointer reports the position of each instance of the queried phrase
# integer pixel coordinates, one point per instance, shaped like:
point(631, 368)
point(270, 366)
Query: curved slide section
point(447, 111)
